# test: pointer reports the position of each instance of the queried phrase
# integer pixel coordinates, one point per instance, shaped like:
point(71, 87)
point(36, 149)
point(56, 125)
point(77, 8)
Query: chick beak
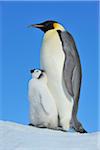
point(31, 71)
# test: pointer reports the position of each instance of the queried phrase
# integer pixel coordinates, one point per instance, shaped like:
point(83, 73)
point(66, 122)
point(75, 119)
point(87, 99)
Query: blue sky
point(21, 52)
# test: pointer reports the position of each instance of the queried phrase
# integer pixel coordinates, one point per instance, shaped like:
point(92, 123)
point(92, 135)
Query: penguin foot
point(77, 126)
point(38, 126)
point(81, 130)
point(30, 124)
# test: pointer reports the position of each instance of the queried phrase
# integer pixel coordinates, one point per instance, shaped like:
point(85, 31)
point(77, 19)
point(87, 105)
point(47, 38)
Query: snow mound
point(15, 136)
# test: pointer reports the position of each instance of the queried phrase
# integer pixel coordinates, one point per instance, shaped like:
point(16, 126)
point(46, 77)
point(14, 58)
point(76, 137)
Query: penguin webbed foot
point(81, 130)
point(38, 126)
point(77, 126)
point(30, 124)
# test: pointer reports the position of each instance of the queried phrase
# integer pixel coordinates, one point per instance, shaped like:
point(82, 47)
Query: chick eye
point(36, 71)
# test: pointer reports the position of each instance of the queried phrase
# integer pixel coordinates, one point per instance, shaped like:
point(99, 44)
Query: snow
point(15, 136)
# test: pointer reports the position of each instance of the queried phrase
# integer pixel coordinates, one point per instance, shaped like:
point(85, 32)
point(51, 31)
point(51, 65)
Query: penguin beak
point(31, 71)
point(40, 26)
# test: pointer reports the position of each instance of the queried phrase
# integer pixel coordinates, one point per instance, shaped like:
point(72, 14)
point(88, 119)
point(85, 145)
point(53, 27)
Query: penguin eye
point(49, 25)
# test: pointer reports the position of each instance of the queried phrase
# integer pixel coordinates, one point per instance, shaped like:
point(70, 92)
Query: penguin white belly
point(52, 61)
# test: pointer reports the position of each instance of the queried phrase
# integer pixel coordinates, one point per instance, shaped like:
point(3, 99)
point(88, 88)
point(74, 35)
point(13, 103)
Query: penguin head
point(37, 73)
point(48, 25)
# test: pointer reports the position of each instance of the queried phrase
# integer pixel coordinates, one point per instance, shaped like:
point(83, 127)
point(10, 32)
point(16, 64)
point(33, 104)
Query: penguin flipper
point(75, 73)
point(68, 74)
point(70, 52)
point(45, 105)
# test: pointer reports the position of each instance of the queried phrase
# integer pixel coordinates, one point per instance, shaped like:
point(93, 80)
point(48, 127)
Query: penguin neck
point(50, 33)
point(59, 27)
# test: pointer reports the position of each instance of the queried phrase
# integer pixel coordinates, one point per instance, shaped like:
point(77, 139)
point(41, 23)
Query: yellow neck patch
point(58, 27)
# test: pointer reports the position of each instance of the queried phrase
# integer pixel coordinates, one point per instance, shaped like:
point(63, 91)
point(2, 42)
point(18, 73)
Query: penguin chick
point(43, 111)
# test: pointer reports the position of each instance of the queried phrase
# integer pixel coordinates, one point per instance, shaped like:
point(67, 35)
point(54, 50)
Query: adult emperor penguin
point(60, 60)
point(43, 110)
